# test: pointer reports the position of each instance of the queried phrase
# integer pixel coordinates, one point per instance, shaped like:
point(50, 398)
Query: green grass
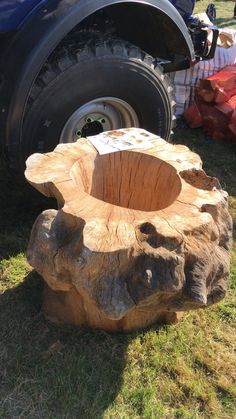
point(224, 12)
point(46, 372)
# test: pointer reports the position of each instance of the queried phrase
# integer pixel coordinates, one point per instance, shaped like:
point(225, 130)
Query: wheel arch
point(37, 39)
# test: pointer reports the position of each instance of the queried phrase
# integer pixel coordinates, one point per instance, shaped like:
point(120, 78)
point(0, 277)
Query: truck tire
point(99, 85)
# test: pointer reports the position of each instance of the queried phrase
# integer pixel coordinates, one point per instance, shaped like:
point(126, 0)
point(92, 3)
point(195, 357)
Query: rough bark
point(139, 236)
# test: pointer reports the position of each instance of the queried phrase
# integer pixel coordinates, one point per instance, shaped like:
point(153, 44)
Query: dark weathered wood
point(139, 237)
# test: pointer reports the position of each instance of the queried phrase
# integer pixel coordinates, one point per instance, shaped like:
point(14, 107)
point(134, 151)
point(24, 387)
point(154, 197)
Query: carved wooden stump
point(139, 236)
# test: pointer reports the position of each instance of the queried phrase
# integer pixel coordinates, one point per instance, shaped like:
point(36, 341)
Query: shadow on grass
point(20, 205)
point(218, 157)
point(49, 371)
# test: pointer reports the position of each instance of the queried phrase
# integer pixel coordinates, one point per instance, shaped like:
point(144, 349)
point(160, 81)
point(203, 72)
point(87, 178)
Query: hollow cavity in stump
point(129, 179)
point(140, 236)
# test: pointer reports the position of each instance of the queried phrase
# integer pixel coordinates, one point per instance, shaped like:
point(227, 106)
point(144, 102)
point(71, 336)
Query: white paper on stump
point(118, 140)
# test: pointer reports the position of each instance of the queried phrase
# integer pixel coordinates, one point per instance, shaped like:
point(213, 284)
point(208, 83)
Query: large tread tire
point(78, 72)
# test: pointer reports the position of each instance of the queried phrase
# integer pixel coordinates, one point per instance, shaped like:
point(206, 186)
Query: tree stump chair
point(140, 235)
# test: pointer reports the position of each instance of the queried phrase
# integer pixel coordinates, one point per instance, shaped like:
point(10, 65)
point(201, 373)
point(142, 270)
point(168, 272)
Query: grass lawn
point(224, 11)
point(46, 372)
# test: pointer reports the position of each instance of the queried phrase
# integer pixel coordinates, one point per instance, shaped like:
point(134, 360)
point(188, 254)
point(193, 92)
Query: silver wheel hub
point(102, 114)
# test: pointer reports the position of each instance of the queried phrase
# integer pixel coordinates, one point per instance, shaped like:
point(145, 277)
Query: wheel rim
point(103, 114)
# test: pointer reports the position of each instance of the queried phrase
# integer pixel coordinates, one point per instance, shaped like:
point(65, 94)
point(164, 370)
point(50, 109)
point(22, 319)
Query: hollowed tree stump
point(139, 235)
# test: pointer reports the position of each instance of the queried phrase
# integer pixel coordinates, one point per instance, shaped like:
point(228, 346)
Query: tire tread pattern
point(94, 44)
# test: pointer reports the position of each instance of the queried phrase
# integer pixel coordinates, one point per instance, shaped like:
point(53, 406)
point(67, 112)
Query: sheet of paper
point(118, 140)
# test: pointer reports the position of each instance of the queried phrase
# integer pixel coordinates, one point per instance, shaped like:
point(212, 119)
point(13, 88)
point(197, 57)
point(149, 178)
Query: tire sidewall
point(133, 81)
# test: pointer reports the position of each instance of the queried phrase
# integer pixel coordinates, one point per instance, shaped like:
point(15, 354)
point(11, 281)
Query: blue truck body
point(13, 13)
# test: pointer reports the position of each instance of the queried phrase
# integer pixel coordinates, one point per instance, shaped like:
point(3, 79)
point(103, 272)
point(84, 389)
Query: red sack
point(193, 116)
